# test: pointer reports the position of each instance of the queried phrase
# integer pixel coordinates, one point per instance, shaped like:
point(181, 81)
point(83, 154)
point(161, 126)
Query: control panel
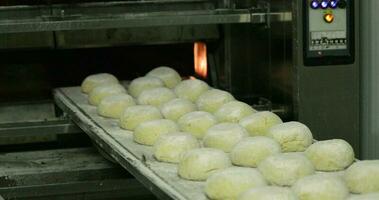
point(328, 32)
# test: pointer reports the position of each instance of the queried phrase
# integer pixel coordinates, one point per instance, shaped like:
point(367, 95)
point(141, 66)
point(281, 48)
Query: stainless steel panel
point(136, 36)
point(370, 78)
point(326, 98)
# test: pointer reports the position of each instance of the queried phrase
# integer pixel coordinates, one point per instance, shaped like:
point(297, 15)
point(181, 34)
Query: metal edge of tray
point(139, 20)
point(126, 159)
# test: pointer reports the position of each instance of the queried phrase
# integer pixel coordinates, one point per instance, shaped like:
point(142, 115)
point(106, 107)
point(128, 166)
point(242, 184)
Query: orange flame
point(200, 59)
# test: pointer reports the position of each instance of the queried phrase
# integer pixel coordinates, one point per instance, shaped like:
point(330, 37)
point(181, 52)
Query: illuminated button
point(333, 4)
point(324, 4)
point(315, 4)
point(329, 18)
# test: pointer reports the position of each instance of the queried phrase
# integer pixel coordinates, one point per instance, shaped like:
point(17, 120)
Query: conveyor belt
point(160, 178)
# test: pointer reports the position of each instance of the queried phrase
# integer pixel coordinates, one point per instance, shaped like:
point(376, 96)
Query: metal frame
point(17, 19)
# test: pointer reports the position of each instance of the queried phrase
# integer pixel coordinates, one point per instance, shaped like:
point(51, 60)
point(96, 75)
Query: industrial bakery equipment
point(298, 58)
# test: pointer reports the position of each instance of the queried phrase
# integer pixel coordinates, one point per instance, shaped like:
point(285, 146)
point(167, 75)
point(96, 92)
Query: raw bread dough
point(321, 186)
point(224, 136)
point(135, 115)
point(176, 108)
point(191, 89)
point(102, 91)
point(148, 132)
point(259, 123)
point(268, 193)
point(95, 80)
point(212, 100)
point(231, 182)
point(113, 106)
point(196, 123)
point(252, 150)
point(330, 155)
point(170, 147)
point(292, 136)
point(370, 196)
point(363, 176)
point(199, 164)
point(156, 96)
point(138, 85)
point(233, 111)
point(286, 168)
point(168, 75)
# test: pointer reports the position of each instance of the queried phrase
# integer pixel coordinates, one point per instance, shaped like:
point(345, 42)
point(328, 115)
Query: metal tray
point(160, 178)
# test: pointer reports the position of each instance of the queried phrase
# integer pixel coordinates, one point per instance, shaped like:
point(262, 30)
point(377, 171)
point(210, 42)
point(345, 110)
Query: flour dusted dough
point(292, 136)
point(212, 100)
point(170, 147)
point(176, 108)
point(363, 177)
point(191, 89)
point(330, 155)
point(156, 96)
point(199, 164)
point(321, 186)
point(259, 123)
point(102, 91)
point(231, 182)
point(370, 196)
point(224, 136)
point(95, 80)
point(135, 115)
point(168, 75)
point(148, 132)
point(233, 111)
point(140, 84)
point(268, 193)
point(252, 150)
point(286, 168)
point(113, 106)
point(196, 123)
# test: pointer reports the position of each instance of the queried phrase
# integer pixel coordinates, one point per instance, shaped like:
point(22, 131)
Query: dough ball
point(170, 147)
point(156, 96)
point(224, 136)
point(252, 150)
point(292, 136)
point(286, 168)
point(363, 176)
point(196, 123)
point(113, 106)
point(99, 92)
point(148, 132)
point(259, 123)
point(199, 164)
point(371, 196)
point(168, 75)
point(321, 186)
point(212, 100)
point(233, 111)
point(135, 115)
point(268, 193)
point(231, 182)
point(330, 155)
point(191, 89)
point(95, 80)
point(176, 108)
point(138, 85)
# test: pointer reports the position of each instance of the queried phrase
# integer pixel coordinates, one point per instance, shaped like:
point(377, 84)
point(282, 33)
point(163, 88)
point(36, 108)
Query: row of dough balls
point(224, 136)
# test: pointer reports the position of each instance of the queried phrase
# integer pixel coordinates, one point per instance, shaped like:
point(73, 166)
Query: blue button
point(324, 4)
point(315, 4)
point(333, 4)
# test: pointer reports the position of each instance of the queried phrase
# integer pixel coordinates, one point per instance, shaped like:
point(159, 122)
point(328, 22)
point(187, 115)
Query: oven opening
point(200, 60)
